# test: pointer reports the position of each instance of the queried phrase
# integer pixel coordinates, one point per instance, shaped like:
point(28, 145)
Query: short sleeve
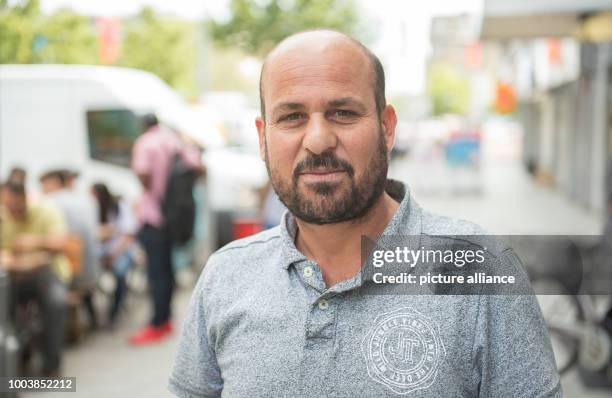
point(195, 372)
point(513, 353)
point(7, 231)
point(53, 221)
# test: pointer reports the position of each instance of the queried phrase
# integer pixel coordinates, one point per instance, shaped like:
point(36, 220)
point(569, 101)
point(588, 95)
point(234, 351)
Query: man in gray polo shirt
point(287, 313)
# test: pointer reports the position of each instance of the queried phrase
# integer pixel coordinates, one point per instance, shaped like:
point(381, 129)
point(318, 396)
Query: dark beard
point(353, 204)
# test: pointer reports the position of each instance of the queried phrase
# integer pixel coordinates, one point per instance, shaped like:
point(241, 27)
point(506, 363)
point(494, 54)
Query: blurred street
point(510, 203)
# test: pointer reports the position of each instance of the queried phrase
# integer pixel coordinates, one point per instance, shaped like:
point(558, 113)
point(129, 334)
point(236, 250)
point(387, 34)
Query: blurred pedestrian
point(80, 213)
point(152, 158)
point(607, 234)
point(117, 232)
point(69, 177)
point(17, 175)
point(33, 239)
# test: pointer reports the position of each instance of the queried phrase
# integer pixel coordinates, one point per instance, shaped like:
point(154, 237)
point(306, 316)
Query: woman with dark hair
point(117, 232)
point(108, 204)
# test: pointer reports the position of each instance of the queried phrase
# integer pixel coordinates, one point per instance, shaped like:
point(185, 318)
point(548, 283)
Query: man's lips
point(321, 172)
point(322, 175)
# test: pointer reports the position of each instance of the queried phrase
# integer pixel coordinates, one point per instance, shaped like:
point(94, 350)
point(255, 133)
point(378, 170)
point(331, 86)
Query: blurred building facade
point(455, 44)
point(557, 57)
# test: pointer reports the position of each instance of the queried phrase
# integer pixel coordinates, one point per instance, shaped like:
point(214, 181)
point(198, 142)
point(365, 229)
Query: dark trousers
point(44, 287)
point(607, 248)
point(121, 266)
point(158, 248)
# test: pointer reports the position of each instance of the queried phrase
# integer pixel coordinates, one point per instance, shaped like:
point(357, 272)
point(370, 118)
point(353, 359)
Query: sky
point(403, 37)
point(398, 24)
point(189, 9)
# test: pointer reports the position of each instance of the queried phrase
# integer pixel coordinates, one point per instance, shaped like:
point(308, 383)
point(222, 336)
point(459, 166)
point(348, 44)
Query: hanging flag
point(473, 56)
point(505, 98)
point(110, 39)
point(554, 51)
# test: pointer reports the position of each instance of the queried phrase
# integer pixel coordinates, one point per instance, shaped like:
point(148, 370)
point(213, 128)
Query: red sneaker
point(166, 328)
point(148, 334)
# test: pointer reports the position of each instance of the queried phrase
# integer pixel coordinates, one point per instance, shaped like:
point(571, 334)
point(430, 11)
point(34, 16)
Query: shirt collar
point(407, 220)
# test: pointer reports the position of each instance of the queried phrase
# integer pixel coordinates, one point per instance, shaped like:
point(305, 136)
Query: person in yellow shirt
point(33, 237)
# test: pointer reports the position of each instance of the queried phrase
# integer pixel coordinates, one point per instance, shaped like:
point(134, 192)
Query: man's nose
point(319, 136)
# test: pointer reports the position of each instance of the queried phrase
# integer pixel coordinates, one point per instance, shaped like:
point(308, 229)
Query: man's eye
point(292, 117)
point(343, 114)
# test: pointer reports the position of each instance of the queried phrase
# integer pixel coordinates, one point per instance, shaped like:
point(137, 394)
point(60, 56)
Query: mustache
point(326, 160)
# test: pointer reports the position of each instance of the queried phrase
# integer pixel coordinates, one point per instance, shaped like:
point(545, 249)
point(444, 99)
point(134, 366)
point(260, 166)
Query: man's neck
point(336, 248)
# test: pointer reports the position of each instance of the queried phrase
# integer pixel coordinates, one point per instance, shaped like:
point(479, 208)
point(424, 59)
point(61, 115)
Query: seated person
point(33, 237)
point(117, 234)
point(79, 212)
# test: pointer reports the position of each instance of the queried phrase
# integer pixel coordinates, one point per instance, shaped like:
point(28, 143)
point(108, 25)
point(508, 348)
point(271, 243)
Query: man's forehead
point(317, 40)
point(316, 59)
point(308, 47)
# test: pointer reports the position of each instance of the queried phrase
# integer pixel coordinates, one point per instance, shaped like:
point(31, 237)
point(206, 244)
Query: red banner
point(110, 39)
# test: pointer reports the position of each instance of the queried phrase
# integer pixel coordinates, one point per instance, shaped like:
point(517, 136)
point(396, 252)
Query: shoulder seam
point(247, 245)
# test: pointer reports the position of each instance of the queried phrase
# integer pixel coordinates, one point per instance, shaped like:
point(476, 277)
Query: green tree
point(256, 26)
point(163, 47)
point(70, 39)
point(29, 37)
point(18, 26)
point(448, 90)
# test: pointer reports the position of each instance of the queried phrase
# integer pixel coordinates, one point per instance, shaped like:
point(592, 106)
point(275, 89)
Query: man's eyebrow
point(346, 101)
point(287, 106)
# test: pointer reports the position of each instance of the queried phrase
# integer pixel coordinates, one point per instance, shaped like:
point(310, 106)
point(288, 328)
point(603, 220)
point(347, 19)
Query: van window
point(112, 133)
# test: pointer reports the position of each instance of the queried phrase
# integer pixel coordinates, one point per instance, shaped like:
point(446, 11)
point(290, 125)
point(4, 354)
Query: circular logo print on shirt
point(403, 350)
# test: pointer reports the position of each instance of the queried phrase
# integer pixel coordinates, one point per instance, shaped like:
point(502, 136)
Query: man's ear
point(261, 133)
point(389, 122)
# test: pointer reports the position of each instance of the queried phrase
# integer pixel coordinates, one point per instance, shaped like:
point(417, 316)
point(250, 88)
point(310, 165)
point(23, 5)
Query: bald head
point(315, 44)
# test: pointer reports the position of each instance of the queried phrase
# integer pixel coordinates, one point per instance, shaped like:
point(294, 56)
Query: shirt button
point(323, 304)
point(308, 271)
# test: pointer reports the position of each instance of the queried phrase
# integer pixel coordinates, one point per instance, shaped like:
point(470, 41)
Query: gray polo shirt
point(262, 323)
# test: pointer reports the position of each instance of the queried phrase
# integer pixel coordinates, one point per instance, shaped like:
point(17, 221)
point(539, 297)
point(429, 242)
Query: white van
point(85, 118)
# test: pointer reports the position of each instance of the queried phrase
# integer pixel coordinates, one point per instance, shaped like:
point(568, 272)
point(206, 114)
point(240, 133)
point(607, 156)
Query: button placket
point(320, 324)
point(309, 275)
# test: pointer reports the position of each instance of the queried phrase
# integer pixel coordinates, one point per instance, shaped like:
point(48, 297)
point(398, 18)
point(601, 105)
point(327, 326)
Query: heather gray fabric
point(261, 323)
point(80, 213)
